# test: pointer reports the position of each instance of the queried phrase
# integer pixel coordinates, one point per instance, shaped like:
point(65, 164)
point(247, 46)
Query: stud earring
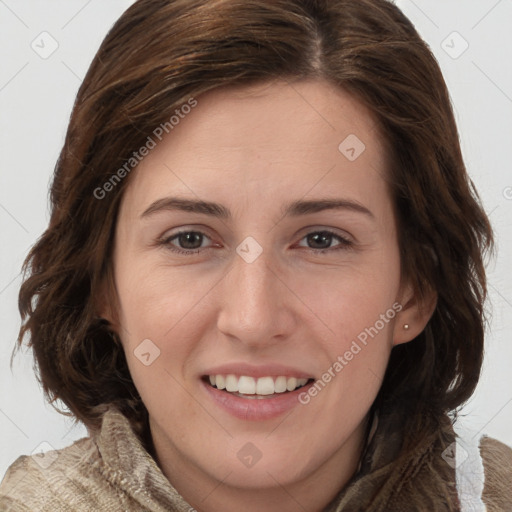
point(406, 326)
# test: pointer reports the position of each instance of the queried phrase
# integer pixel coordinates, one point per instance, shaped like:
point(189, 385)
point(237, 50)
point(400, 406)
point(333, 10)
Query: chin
point(274, 472)
point(249, 462)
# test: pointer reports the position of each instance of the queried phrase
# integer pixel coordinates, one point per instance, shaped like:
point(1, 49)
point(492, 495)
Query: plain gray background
point(45, 50)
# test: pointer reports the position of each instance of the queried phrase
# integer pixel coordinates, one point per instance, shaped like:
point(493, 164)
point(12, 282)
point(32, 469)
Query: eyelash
point(344, 242)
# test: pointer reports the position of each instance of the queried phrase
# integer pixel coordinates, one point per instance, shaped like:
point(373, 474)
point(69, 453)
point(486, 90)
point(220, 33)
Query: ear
point(415, 314)
point(104, 304)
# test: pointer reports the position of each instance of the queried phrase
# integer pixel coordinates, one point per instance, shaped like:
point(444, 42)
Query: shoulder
point(497, 462)
point(50, 481)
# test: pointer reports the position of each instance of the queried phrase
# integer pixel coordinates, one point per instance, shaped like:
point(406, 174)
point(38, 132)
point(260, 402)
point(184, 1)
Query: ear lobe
point(414, 316)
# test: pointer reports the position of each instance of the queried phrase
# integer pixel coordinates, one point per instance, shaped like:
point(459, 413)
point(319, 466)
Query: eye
point(325, 238)
point(191, 242)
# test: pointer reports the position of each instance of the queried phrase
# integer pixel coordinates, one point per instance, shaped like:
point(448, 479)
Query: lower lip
point(256, 409)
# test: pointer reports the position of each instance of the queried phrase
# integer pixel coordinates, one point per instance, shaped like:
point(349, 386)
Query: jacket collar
point(129, 466)
point(384, 478)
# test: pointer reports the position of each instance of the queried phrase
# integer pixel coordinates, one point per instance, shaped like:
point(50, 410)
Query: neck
point(311, 493)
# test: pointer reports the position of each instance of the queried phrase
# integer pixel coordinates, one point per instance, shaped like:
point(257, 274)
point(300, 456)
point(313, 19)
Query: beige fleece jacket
point(112, 472)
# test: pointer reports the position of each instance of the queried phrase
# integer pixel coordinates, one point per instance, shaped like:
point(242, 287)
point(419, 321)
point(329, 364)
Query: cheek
point(359, 339)
point(356, 357)
point(347, 300)
point(159, 337)
point(354, 316)
point(155, 306)
point(155, 300)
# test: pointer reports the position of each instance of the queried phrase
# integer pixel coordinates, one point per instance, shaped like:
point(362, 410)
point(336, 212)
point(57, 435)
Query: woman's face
point(267, 288)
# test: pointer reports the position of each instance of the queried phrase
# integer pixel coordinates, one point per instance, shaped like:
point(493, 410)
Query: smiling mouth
point(245, 386)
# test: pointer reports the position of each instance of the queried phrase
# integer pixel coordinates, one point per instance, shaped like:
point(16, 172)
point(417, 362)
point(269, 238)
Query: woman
point(180, 306)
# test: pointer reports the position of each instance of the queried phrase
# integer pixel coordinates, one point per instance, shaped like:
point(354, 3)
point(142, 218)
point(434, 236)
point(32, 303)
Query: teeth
point(280, 384)
point(265, 386)
point(231, 383)
point(246, 385)
point(219, 381)
point(291, 383)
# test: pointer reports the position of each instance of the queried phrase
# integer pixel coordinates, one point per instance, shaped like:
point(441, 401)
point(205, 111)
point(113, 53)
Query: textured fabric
point(111, 471)
point(386, 482)
point(497, 458)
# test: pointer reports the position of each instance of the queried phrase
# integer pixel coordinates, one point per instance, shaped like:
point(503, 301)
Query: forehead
point(276, 137)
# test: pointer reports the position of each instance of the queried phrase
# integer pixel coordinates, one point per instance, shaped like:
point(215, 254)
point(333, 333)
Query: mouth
point(256, 393)
point(248, 387)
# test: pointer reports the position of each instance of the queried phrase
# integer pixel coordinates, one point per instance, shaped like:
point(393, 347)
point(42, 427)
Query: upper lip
point(257, 371)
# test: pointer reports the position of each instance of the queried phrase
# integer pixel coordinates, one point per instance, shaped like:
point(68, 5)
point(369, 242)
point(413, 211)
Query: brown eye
point(189, 240)
point(320, 241)
point(185, 242)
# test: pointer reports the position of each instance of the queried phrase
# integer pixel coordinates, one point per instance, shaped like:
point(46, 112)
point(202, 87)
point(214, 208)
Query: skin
point(255, 149)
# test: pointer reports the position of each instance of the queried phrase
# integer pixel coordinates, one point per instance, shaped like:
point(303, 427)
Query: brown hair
point(160, 54)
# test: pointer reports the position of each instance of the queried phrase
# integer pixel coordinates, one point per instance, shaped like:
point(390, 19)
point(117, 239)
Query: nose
point(256, 303)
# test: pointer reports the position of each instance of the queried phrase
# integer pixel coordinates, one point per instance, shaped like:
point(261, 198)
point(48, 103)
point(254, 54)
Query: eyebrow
point(293, 209)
